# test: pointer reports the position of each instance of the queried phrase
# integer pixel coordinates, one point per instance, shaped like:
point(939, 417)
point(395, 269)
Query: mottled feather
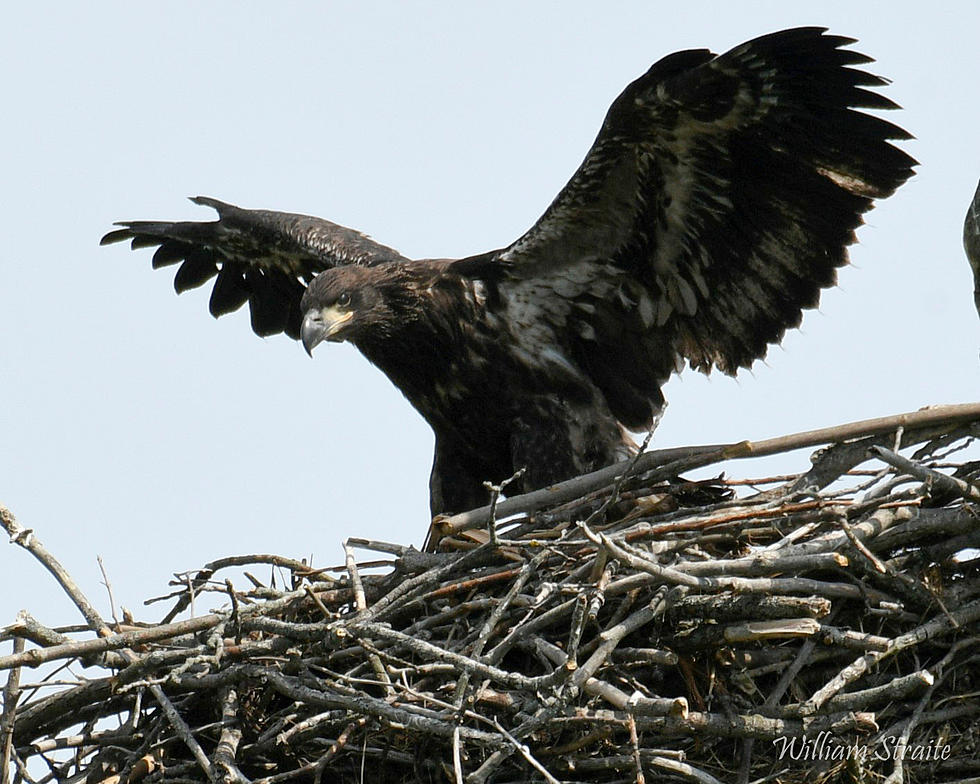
point(971, 243)
point(261, 257)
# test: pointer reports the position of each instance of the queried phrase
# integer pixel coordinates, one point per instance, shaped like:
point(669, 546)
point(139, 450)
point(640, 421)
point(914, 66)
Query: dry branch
point(627, 627)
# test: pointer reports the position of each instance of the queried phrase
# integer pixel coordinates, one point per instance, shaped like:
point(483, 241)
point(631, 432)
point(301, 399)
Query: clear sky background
point(134, 426)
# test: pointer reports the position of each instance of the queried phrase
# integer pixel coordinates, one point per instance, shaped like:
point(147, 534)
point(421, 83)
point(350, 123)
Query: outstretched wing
point(971, 242)
point(717, 200)
point(256, 256)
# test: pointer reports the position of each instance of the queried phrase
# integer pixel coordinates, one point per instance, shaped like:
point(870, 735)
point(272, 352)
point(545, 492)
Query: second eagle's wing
point(971, 243)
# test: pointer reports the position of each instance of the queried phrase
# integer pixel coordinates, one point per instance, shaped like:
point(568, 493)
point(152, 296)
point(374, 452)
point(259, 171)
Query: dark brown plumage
point(717, 201)
point(971, 243)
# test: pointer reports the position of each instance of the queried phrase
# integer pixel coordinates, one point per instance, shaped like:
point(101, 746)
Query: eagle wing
point(716, 202)
point(971, 242)
point(256, 256)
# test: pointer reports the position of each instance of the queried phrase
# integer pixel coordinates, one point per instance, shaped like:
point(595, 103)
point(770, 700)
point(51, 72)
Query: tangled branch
point(645, 628)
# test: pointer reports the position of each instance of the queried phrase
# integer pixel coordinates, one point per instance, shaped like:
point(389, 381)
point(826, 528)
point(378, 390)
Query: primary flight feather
point(716, 202)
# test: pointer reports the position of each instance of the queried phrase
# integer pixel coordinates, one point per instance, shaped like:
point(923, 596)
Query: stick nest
point(651, 628)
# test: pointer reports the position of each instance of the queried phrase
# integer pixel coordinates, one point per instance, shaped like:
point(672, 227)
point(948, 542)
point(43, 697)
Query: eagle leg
point(456, 484)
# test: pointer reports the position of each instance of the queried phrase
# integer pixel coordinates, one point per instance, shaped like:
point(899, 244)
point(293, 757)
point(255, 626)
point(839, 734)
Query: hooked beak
point(321, 324)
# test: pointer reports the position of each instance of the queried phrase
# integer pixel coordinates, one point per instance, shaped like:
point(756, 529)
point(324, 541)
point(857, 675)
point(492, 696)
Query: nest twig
point(818, 626)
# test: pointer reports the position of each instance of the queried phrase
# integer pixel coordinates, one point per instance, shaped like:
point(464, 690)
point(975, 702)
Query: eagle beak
point(321, 324)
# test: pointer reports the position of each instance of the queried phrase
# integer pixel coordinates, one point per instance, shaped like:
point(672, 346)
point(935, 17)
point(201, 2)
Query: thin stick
point(26, 539)
point(526, 753)
point(683, 769)
point(108, 588)
point(11, 694)
point(933, 478)
point(361, 604)
point(457, 761)
point(494, 618)
point(231, 736)
point(698, 456)
point(600, 513)
point(112, 642)
point(934, 628)
point(495, 492)
point(897, 775)
point(635, 741)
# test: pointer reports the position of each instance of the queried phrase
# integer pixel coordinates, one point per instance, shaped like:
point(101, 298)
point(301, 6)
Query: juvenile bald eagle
point(718, 199)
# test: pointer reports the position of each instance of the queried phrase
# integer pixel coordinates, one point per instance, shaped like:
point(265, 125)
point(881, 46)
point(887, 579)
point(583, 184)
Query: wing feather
point(717, 201)
point(230, 290)
point(260, 257)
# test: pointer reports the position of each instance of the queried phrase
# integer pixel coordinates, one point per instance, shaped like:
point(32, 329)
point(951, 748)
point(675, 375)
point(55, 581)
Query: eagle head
point(347, 303)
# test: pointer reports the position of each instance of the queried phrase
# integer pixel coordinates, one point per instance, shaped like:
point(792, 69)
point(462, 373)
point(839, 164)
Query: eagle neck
point(424, 344)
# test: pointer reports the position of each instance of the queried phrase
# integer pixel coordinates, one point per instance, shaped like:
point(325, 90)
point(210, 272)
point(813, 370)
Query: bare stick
point(25, 538)
point(600, 513)
point(231, 736)
point(695, 457)
point(683, 769)
point(871, 558)
point(526, 753)
point(108, 589)
point(494, 618)
point(466, 663)
point(361, 604)
point(897, 775)
point(934, 628)
point(495, 492)
point(337, 747)
point(11, 694)
point(898, 688)
point(929, 476)
point(802, 657)
point(662, 574)
point(570, 489)
point(112, 642)
point(635, 741)
point(457, 761)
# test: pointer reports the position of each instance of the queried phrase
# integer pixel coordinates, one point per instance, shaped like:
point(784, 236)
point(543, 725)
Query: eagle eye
point(343, 300)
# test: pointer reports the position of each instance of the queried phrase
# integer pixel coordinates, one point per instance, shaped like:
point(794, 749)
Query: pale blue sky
point(136, 427)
